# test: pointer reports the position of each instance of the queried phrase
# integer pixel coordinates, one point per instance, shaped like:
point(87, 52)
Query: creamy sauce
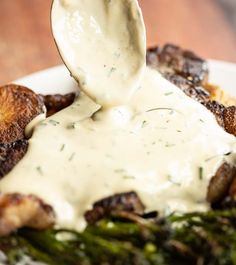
point(164, 145)
point(161, 144)
point(103, 44)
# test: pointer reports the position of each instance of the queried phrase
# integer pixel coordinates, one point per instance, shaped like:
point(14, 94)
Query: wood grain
point(26, 43)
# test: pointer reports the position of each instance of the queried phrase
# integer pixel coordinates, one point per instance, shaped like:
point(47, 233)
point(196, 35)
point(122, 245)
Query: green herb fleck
point(200, 172)
point(144, 124)
point(128, 177)
point(155, 109)
point(168, 109)
point(54, 123)
point(62, 147)
point(40, 171)
point(112, 70)
point(71, 126)
point(168, 93)
point(72, 156)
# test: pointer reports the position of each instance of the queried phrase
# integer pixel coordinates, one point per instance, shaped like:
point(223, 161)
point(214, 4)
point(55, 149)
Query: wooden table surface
point(206, 26)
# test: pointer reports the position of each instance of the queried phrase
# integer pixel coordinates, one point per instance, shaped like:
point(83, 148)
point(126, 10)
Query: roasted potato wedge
point(18, 106)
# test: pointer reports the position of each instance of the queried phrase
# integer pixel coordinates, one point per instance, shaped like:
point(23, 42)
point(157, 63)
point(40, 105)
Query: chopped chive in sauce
point(70, 126)
point(156, 109)
point(200, 173)
point(40, 171)
point(54, 123)
point(168, 93)
point(62, 147)
point(112, 70)
point(128, 177)
point(167, 109)
point(72, 157)
point(144, 124)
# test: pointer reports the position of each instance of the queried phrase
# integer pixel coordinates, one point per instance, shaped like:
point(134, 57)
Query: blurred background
point(207, 27)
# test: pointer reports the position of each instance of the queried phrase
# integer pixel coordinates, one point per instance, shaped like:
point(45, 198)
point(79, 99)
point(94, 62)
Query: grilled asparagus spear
point(194, 238)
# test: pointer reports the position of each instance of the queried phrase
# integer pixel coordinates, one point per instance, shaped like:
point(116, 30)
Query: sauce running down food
point(158, 142)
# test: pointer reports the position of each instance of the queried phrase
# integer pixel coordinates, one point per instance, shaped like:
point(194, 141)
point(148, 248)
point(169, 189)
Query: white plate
point(58, 80)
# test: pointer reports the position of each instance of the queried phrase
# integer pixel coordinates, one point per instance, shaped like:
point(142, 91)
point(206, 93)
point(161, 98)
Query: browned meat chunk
point(18, 106)
point(197, 93)
point(18, 211)
point(11, 154)
point(219, 185)
point(129, 202)
point(55, 103)
point(173, 59)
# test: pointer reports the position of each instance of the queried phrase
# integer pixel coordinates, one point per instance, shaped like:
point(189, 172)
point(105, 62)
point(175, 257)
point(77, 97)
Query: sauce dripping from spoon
point(103, 44)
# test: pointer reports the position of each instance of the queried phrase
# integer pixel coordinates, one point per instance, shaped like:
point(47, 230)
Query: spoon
point(103, 44)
